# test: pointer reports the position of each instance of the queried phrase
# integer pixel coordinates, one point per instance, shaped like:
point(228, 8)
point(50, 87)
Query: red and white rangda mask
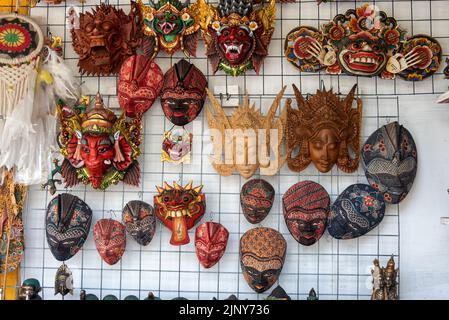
point(99, 148)
point(179, 208)
point(139, 83)
point(110, 240)
point(211, 239)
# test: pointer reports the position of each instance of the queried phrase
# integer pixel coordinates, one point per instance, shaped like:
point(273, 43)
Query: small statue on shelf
point(312, 295)
point(385, 285)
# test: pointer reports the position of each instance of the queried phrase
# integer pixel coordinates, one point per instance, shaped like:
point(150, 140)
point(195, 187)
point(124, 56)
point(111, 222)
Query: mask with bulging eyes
point(67, 225)
point(110, 240)
point(256, 198)
point(211, 239)
point(183, 93)
point(262, 255)
point(306, 208)
point(140, 221)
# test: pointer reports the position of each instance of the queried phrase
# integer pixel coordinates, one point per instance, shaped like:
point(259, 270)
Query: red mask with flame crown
point(211, 239)
point(179, 208)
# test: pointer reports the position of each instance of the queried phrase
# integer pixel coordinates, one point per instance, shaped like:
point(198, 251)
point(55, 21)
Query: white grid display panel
point(336, 269)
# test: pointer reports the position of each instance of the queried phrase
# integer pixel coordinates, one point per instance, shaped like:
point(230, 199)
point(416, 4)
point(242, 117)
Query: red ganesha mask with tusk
point(99, 148)
point(179, 208)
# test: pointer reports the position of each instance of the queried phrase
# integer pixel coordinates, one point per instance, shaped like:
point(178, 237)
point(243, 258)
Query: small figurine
point(326, 129)
point(140, 221)
point(105, 38)
point(363, 42)
point(63, 280)
point(211, 239)
point(110, 240)
point(256, 199)
point(251, 131)
point(67, 225)
point(312, 295)
point(29, 290)
point(169, 25)
point(358, 209)
point(278, 293)
point(236, 34)
point(385, 285)
point(262, 255)
point(179, 208)
point(390, 158)
point(89, 296)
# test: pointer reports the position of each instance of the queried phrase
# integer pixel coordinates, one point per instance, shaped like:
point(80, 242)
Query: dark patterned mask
point(390, 158)
point(306, 207)
point(211, 239)
point(357, 210)
point(110, 240)
point(67, 225)
point(262, 256)
point(63, 281)
point(256, 198)
point(183, 93)
point(140, 221)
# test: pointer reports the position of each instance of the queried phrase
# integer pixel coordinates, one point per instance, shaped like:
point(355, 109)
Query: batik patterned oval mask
point(357, 210)
point(67, 225)
point(110, 240)
point(139, 83)
point(306, 207)
point(390, 158)
point(262, 255)
point(256, 198)
point(140, 221)
point(183, 93)
point(211, 239)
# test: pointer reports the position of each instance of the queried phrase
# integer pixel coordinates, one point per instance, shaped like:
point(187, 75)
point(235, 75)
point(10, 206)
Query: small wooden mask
point(139, 83)
point(363, 42)
point(324, 129)
point(110, 240)
point(236, 34)
point(251, 131)
point(306, 207)
point(104, 38)
point(256, 199)
point(211, 239)
point(168, 26)
point(99, 148)
point(67, 225)
point(63, 280)
point(179, 208)
point(140, 221)
point(262, 256)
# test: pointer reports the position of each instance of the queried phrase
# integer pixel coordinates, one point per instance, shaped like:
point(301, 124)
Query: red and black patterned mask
point(183, 93)
point(262, 256)
point(179, 208)
point(104, 38)
point(140, 221)
point(306, 208)
point(139, 83)
point(256, 198)
point(211, 239)
point(67, 225)
point(110, 240)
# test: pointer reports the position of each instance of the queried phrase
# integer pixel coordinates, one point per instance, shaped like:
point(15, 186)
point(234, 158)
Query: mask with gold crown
point(236, 34)
point(99, 148)
point(168, 26)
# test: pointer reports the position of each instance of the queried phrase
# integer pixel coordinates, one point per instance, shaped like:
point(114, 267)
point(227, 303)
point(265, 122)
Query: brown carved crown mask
point(324, 130)
point(104, 38)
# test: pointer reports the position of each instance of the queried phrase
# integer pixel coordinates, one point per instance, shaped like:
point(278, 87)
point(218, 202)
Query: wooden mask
point(250, 131)
point(140, 221)
point(110, 240)
point(104, 38)
point(324, 130)
point(99, 148)
point(262, 255)
point(211, 239)
point(256, 199)
point(169, 26)
point(363, 42)
point(179, 208)
point(236, 34)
